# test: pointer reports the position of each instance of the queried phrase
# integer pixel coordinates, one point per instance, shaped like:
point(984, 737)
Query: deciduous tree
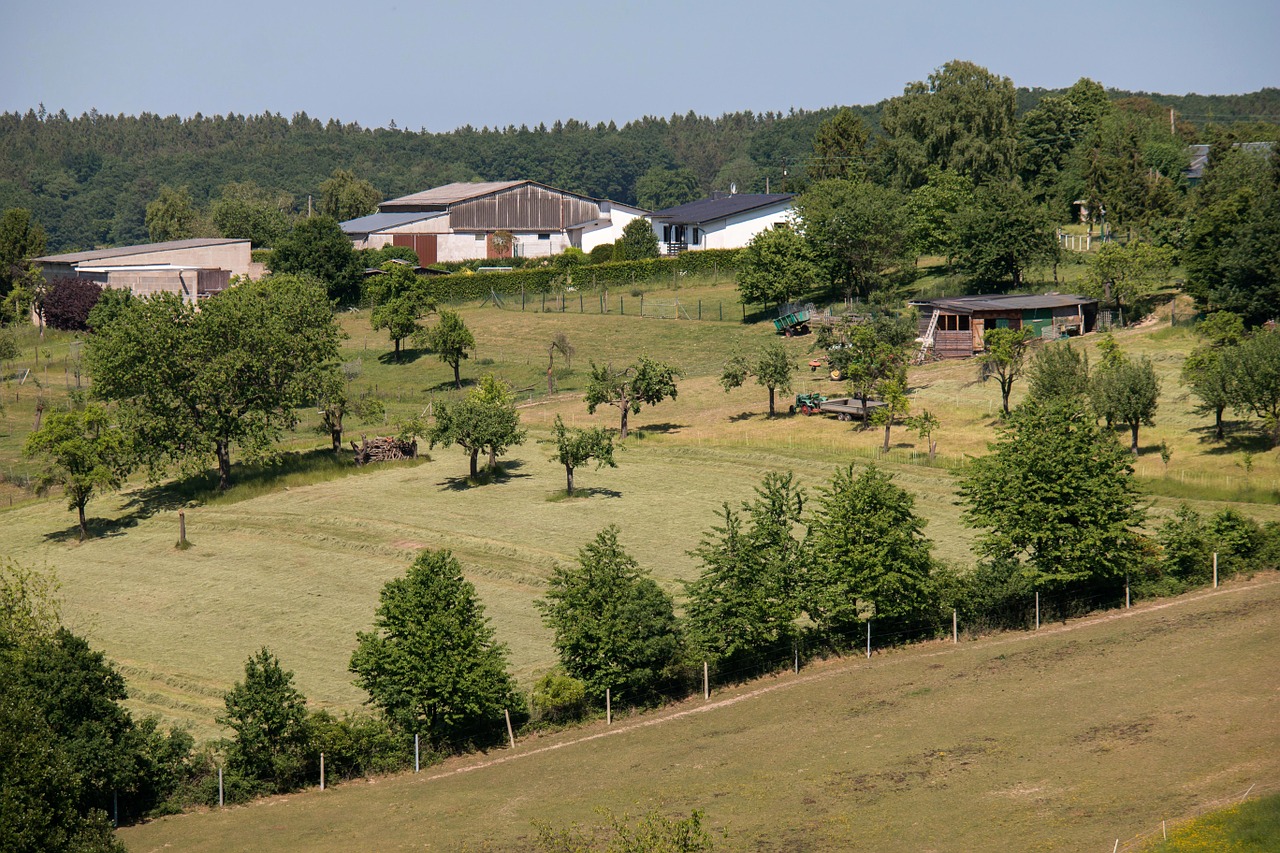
point(577, 447)
point(637, 242)
point(1128, 274)
point(1058, 371)
point(192, 382)
point(451, 341)
point(173, 216)
point(776, 266)
point(772, 369)
point(484, 421)
point(344, 196)
point(1255, 371)
point(1055, 497)
point(646, 382)
point(867, 552)
point(614, 627)
point(318, 247)
point(840, 148)
point(84, 453)
point(1004, 358)
point(858, 231)
point(1127, 392)
point(267, 716)
point(432, 663)
point(659, 188)
point(21, 239)
point(246, 211)
point(1003, 234)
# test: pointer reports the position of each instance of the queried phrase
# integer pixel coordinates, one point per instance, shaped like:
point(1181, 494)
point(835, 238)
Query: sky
point(441, 65)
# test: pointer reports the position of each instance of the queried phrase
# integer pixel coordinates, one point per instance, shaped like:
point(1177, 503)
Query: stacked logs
point(387, 449)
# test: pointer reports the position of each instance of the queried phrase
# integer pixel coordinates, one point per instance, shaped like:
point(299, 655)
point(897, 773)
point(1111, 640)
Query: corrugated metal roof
point(143, 249)
point(1005, 302)
point(710, 209)
point(375, 222)
point(450, 193)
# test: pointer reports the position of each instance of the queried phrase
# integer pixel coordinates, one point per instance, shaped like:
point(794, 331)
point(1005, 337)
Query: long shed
point(953, 327)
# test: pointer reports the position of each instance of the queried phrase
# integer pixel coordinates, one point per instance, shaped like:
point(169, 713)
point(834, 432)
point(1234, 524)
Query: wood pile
point(384, 449)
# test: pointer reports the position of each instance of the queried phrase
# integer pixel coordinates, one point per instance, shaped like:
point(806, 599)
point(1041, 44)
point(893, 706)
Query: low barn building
point(456, 222)
point(724, 221)
point(953, 327)
point(191, 268)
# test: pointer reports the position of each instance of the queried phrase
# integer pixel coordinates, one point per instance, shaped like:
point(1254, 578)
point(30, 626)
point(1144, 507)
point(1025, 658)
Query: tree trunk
point(223, 449)
point(335, 433)
point(1134, 447)
point(568, 475)
point(84, 528)
point(475, 456)
point(933, 449)
point(625, 412)
point(1005, 390)
point(457, 378)
point(886, 437)
point(493, 458)
point(1218, 433)
point(770, 401)
point(397, 350)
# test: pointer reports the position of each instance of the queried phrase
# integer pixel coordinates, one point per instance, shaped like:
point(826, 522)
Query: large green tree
point(247, 211)
point(646, 382)
point(1126, 392)
point(1058, 371)
point(858, 231)
point(317, 247)
point(1055, 499)
point(21, 239)
point(659, 188)
point(1255, 375)
point(432, 663)
point(267, 716)
point(1129, 273)
point(614, 628)
point(867, 555)
point(84, 453)
point(174, 216)
point(841, 148)
point(961, 118)
point(344, 196)
point(1003, 234)
point(776, 266)
point(743, 605)
point(193, 382)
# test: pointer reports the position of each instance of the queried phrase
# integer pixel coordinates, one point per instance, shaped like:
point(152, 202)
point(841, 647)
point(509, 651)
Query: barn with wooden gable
point(953, 327)
point(457, 222)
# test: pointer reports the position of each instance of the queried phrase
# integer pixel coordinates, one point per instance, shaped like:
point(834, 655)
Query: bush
point(602, 254)
point(69, 302)
point(354, 746)
point(1237, 539)
point(559, 697)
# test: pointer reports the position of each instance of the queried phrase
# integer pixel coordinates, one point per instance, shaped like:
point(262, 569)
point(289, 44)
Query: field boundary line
point(846, 665)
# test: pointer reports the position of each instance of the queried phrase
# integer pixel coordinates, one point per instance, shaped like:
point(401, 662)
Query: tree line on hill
point(89, 179)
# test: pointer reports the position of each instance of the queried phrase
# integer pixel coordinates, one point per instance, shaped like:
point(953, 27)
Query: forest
point(87, 180)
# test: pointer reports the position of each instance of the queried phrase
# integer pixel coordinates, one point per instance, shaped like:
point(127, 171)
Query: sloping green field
point(1073, 738)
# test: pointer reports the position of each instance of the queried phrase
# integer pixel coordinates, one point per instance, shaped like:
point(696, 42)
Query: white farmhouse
point(456, 222)
point(724, 221)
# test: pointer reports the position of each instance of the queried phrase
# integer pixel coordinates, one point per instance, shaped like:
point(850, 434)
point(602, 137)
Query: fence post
point(415, 753)
point(706, 682)
point(795, 652)
point(322, 771)
point(182, 528)
point(699, 309)
point(580, 302)
point(721, 304)
point(641, 304)
point(511, 735)
point(955, 626)
point(1037, 610)
point(1215, 569)
point(219, 787)
point(608, 707)
point(622, 307)
point(868, 639)
point(544, 303)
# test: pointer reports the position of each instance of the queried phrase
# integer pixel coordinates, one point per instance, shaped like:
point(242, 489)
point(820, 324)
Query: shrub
point(69, 302)
point(559, 697)
point(354, 746)
point(601, 254)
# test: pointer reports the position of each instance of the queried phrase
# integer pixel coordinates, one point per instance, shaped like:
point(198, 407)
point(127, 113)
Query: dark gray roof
point(143, 249)
point(376, 222)
point(1200, 157)
point(1004, 302)
point(711, 209)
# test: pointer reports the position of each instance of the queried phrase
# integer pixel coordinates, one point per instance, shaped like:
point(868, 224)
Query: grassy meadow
point(293, 557)
point(1083, 736)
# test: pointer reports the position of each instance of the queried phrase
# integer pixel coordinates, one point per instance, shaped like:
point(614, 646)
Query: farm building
point(724, 221)
point(953, 327)
point(456, 222)
point(191, 268)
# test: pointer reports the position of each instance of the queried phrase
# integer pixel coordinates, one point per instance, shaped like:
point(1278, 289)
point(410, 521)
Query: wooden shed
point(953, 327)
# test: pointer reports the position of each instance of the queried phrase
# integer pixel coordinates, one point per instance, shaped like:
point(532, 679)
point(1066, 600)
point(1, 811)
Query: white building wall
point(736, 232)
point(619, 216)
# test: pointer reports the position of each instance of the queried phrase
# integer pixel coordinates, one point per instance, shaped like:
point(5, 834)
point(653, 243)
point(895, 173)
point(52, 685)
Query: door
point(978, 325)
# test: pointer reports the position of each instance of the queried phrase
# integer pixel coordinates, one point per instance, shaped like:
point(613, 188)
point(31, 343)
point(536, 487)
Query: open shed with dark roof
point(953, 327)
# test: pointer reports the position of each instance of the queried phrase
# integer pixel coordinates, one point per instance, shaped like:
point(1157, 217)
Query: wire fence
point(636, 303)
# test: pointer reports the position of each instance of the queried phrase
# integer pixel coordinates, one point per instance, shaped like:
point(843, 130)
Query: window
point(480, 238)
point(544, 236)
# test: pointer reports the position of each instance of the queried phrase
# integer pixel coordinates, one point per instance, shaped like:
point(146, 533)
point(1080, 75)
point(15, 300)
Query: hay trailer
point(793, 320)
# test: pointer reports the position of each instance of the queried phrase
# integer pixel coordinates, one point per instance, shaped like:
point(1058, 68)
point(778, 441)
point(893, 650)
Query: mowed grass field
point(299, 570)
point(1072, 738)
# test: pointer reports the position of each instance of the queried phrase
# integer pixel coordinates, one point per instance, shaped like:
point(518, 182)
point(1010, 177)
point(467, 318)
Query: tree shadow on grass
point(1240, 442)
point(448, 385)
point(407, 356)
point(99, 528)
point(504, 474)
point(583, 492)
point(745, 416)
point(662, 429)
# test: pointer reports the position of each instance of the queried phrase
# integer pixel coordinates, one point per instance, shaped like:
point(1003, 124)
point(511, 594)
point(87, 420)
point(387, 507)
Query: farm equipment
point(794, 321)
point(848, 408)
point(808, 404)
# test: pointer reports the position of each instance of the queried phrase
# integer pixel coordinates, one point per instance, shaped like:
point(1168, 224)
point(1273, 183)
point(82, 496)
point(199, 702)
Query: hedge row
point(458, 287)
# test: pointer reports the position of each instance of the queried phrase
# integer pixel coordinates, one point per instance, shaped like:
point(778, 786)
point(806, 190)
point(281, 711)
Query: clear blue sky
point(438, 65)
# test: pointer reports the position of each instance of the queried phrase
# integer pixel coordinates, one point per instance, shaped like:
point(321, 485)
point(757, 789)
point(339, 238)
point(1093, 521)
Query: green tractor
point(808, 404)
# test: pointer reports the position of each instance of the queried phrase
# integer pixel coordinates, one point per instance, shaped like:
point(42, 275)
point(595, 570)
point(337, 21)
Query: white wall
point(619, 216)
point(737, 231)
